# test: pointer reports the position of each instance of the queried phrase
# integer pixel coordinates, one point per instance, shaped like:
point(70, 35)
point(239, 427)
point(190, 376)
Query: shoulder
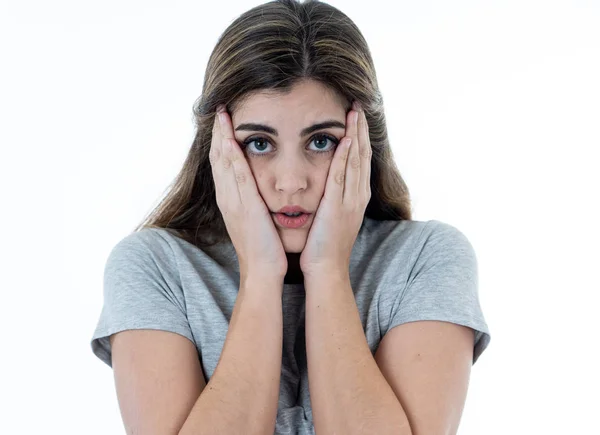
point(148, 237)
point(161, 249)
point(416, 235)
point(443, 242)
point(147, 248)
point(400, 251)
point(442, 232)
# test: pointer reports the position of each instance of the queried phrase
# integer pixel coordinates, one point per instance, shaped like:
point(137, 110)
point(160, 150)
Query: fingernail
point(220, 108)
point(222, 118)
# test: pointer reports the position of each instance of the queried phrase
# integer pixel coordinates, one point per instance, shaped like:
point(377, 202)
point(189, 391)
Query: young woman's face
point(290, 168)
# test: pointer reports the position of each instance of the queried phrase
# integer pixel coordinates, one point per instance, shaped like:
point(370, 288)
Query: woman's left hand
point(340, 213)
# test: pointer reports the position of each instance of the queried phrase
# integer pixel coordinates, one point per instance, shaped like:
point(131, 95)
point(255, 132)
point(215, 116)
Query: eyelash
point(316, 136)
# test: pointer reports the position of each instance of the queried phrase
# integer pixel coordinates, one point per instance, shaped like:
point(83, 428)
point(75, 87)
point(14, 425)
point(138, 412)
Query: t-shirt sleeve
point(141, 291)
point(443, 284)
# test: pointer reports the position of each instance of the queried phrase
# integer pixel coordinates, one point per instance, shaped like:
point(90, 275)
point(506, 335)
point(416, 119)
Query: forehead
point(306, 100)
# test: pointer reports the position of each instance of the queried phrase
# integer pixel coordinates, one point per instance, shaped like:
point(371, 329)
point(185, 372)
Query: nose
point(291, 176)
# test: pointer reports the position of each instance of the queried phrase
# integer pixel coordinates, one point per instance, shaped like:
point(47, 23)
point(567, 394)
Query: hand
point(247, 218)
point(340, 213)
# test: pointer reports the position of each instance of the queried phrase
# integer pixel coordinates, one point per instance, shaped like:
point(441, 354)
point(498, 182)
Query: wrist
point(264, 280)
point(322, 275)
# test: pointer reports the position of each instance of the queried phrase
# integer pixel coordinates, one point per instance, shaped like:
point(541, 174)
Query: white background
point(493, 111)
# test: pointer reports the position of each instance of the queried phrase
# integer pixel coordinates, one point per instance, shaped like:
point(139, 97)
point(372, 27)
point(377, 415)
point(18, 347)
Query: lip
point(284, 221)
point(292, 209)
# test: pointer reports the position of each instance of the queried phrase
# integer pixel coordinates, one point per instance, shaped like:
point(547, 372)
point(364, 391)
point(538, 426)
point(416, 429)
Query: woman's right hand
point(247, 218)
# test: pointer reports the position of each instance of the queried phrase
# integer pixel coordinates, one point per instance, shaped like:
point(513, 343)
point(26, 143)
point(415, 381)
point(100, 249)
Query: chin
point(293, 243)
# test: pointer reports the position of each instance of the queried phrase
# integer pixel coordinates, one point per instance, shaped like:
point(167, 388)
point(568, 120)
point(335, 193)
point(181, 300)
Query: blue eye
point(264, 141)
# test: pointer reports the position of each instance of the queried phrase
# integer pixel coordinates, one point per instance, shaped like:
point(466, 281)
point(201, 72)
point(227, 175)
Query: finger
point(215, 147)
point(241, 181)
point(223, 171)
point(366, 153)
point(216, 155)
point(334, 189)
point(351, 190)
point(229, 188)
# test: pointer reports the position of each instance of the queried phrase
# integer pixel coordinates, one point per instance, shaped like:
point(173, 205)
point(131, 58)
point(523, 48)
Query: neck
point(294, 273)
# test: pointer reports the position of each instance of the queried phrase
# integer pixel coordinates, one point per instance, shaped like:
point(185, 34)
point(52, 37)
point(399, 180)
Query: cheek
point(258, 173)
point(320, 175)
point(262, 178)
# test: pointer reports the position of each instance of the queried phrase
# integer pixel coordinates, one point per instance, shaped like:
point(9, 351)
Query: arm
point(349, 394)
point(243, 393)
point(161, 388)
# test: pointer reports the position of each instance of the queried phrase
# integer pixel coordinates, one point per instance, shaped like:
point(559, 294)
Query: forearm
point(348, 392)
point(242, 394)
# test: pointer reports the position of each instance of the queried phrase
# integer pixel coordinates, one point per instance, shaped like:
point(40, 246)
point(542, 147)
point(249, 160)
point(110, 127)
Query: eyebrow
point(305, 132)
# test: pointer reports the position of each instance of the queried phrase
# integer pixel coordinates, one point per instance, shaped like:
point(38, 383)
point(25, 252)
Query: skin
point(287, 167)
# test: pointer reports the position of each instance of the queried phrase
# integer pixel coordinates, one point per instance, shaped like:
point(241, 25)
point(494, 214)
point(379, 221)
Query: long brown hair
point(272, 47)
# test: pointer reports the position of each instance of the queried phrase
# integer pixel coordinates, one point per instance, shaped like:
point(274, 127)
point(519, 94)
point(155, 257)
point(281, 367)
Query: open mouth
point(292, 220)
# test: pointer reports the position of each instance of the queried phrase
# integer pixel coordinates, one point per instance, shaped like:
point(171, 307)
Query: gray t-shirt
point(400, 271)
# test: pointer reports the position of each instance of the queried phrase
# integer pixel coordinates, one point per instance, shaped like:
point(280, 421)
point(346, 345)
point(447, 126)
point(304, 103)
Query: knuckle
point(240, 178)
point(339, 177)
point(213, 156)
point(344, 156)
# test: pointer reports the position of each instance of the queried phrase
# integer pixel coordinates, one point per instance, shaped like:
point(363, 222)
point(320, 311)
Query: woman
point(223, 315)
